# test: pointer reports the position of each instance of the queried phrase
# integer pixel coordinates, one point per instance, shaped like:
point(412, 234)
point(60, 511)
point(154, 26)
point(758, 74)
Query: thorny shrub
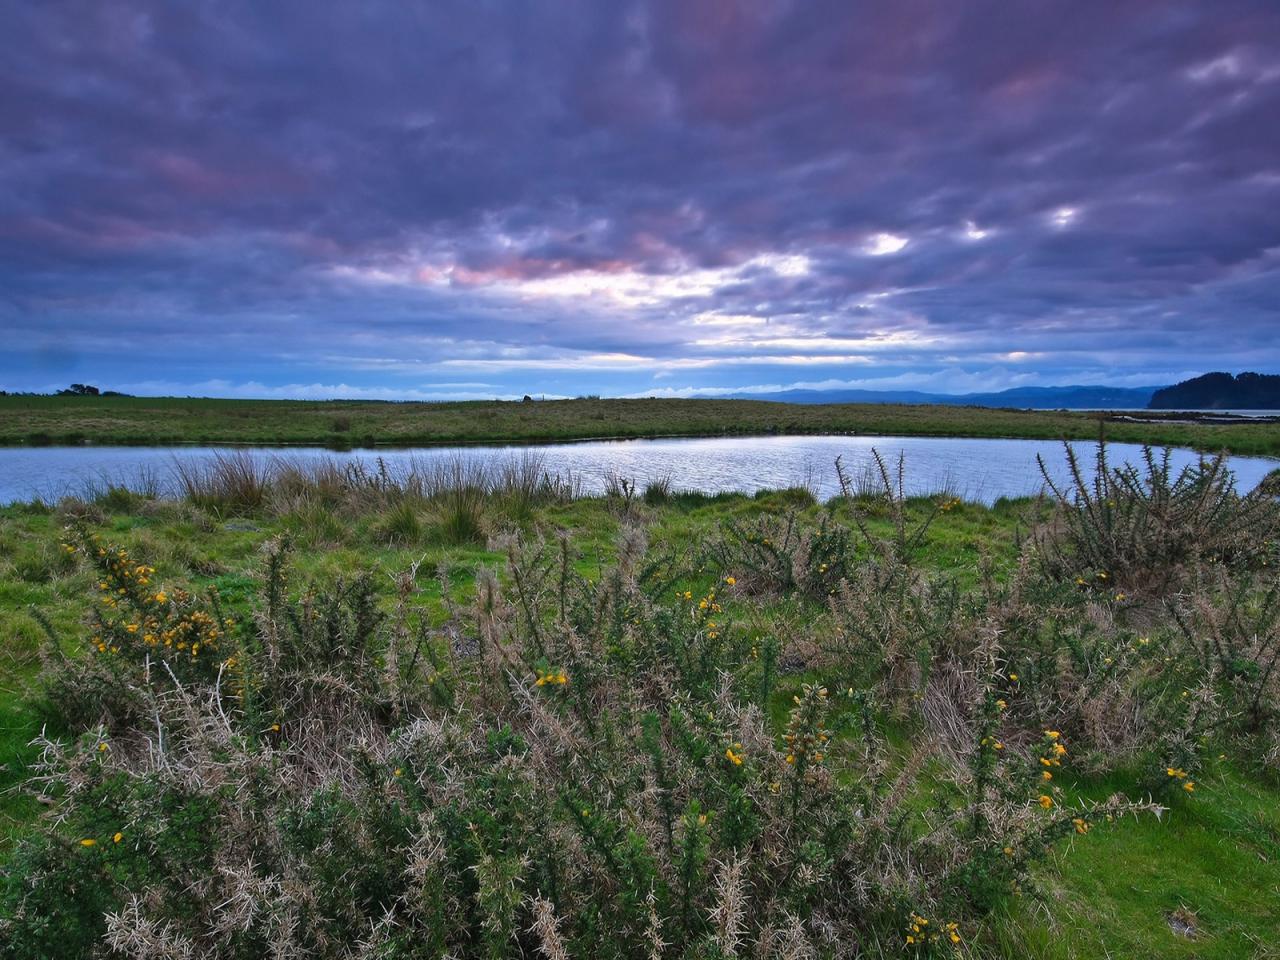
point(784, 554)
point(572, 767)
point(1137, 529)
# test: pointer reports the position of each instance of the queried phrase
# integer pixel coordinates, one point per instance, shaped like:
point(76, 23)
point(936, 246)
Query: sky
point(457, 200)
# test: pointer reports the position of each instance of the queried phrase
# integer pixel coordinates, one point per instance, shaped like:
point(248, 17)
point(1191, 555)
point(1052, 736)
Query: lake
point(977, 469)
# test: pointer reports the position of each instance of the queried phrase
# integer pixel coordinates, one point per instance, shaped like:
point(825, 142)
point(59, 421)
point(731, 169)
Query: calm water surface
point(976, 469)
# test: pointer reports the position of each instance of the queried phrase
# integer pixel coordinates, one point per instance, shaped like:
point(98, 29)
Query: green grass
point(140, 420)
point(1215, 855)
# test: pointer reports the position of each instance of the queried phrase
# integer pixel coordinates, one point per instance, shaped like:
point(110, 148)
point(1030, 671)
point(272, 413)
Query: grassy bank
point(135, 420)
point(542, 722)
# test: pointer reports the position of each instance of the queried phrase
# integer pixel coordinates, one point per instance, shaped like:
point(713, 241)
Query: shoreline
point(32, 422)
point(531, 442)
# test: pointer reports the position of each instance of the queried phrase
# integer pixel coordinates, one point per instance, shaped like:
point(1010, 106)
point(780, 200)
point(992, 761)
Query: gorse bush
point(793, 740)
point(579, 767)
point(1132, 528)
point(890, 624)
point(1230, 625)
point(884, 491)
point(784, 554)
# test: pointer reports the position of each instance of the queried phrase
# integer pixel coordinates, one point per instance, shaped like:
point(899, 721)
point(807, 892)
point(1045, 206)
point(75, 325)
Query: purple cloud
point(577, 197)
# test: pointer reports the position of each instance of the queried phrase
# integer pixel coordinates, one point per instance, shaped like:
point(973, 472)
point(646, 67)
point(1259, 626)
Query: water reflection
point(976, 469)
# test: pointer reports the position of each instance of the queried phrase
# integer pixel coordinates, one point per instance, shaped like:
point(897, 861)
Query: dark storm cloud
point(588, 196)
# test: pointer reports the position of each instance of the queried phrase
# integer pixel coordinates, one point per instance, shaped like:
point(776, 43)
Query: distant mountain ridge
point(1221, 391)
point(1045, 398)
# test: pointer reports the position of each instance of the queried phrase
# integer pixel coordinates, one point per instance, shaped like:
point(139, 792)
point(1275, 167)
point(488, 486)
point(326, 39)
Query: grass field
point(137, 420)
point(1200, 880)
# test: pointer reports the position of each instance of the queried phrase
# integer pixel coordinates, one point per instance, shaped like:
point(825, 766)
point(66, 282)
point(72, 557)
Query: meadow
point(164, 420)
point(320, 713)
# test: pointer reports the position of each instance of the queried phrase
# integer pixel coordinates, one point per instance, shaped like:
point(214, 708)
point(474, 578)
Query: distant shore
point(145, 421)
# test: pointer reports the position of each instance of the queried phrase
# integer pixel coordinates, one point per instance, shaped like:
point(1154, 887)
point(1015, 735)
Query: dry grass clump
point(456, 501)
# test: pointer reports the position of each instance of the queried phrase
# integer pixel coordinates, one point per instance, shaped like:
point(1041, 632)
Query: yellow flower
point(1189, 786)
point(398, 771)
point(1046, 801)
point(1047, 775)
point(88, 842)
point(1013, 677)
point(160, 597)
point(1052, 734)
point(1008, 851)
point(102, 748)
point(118, 837)
point(732, 757)
point(1082, 826)
point(730, 581)
point(1001, 704)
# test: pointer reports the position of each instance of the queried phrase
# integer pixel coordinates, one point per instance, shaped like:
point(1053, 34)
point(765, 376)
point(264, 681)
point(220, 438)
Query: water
point(981, 470)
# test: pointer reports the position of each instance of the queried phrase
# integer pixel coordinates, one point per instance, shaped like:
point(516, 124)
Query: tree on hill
point(1221, 391)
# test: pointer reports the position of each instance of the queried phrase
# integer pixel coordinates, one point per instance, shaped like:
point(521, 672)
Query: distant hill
point(1221, 391)
point(1039, 398)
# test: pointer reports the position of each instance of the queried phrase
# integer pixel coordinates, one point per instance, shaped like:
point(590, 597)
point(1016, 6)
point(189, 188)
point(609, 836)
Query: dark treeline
point(1221, 391)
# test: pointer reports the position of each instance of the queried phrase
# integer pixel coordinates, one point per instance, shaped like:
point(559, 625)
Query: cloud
point(585, 197)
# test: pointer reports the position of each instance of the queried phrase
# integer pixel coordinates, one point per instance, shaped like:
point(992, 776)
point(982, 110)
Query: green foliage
point(597, 748)
point(1137, 528)
point(155, 420)
point(772, 554)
